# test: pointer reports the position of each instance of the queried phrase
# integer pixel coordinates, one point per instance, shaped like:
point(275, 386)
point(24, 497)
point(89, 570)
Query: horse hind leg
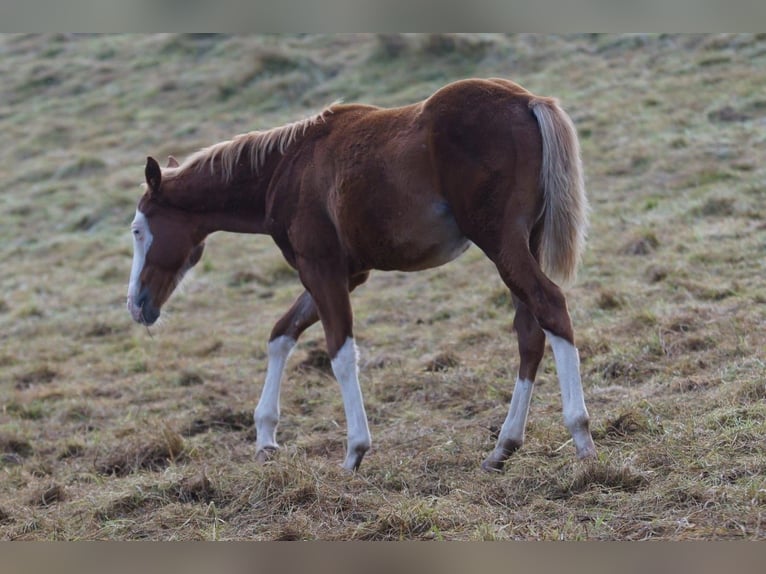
point(531, 341)
point(547, 305)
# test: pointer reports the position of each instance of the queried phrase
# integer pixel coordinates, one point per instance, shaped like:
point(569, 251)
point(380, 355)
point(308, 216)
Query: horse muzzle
point(141, 310)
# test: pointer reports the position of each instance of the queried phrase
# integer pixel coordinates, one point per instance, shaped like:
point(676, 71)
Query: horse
point(357, 188)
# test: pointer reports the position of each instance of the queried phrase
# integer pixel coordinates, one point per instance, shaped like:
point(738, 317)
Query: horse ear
point(153, 174)
point(172, 162)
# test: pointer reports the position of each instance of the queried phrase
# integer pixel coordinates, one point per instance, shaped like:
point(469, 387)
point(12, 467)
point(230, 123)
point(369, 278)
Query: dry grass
point(106, 433)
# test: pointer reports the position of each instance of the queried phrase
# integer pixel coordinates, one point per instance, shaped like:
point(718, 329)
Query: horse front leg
point(346, 369)
point(330, 287)
point(283, 338)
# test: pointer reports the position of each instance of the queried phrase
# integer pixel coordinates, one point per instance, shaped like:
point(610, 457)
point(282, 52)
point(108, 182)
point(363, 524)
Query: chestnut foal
point(357, 188)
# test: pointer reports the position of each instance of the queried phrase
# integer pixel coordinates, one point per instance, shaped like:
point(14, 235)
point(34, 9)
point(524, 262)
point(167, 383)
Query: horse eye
point(136, 233)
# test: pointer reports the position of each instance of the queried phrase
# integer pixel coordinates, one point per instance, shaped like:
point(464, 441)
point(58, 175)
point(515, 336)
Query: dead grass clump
point(290, 533)
point(38, 376)
point(189, 379)
point(618, 369)
point(276, 272)
point(716, 207)
point(241, 278)
point(71, 450)
point(692, 383)
point(643, 244)
point(689, 495)
point(144, 453)
point(442, 45)
point(77, 413)
point(101, 329)
point(656, 273)
point(194, 489)
point(501, 298)
point(12, 445)
point(628, 423)
point(727, 114)
point(441, 362)
point(389, 46)
point(609, 301)
point(222, 419)
point(127, 505)
point(277, 489)
point(751, 391)
point(325, 447)
point(317, 360)
point(209, 348)
point(402, 521)
point(516, 492)
point(601, 476)
point(82, 167)
point(693, 344)
point(49, 495)
point(680, 344)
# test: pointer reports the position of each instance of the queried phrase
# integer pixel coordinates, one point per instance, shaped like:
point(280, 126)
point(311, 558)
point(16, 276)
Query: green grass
point(107, 433)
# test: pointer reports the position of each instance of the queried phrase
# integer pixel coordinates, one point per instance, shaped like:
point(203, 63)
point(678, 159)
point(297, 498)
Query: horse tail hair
point(565, 211)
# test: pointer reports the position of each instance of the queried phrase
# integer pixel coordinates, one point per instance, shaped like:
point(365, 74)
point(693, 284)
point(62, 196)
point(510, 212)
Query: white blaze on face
point(142, 240)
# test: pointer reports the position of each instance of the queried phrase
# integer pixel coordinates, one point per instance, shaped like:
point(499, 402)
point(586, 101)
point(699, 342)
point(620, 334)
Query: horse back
point(402, 188)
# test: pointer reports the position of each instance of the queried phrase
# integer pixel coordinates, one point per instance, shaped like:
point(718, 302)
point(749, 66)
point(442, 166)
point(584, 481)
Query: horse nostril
point(143, 297)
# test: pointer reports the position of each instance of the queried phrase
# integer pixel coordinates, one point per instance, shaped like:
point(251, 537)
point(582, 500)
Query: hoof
point(354, 458)
point(584, 444)
point(492, 465)
point(351, 464)
point(495, 462)
point(265, 454)
point(586, 453)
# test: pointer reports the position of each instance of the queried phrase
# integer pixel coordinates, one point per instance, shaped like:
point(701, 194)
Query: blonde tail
point(565, 217)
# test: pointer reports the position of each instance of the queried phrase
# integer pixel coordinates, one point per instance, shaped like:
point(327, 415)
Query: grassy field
point(107, 432)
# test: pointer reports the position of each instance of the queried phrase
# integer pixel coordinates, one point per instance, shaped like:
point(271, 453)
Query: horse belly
point(423, 240)
point(438, 254)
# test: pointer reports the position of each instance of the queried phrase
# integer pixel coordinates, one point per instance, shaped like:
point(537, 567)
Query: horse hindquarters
point(525, 205)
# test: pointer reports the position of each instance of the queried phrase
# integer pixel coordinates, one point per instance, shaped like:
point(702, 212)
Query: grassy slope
point(108, 433)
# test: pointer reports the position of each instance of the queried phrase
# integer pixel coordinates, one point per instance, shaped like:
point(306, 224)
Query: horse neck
point(235, 203)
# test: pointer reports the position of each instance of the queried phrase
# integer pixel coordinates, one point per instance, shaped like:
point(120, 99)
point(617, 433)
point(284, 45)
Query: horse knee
point(553, 316)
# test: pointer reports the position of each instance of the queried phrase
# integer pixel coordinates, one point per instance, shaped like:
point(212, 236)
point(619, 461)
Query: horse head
point(167, 242)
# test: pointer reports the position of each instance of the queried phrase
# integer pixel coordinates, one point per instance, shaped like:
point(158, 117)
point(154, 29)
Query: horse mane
point(255, 145)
